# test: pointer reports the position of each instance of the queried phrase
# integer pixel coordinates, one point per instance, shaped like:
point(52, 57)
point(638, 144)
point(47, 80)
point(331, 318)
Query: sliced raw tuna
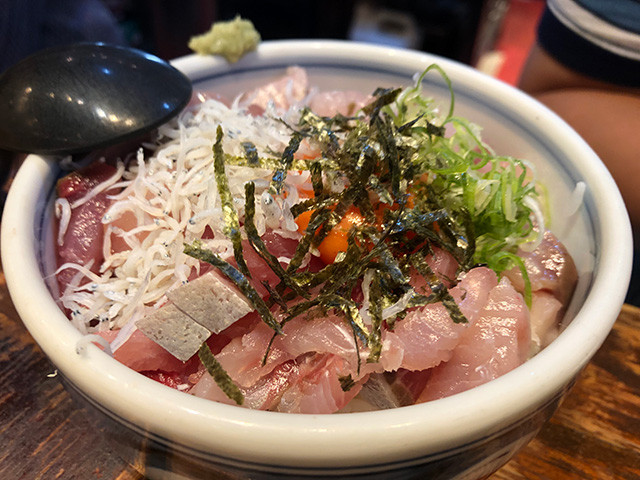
point(142, 354)
point(284, 91)
point(550, 268)
point(427, 335)
point(82, 241)
point(319, 390)
point(496, 343)
point(347, 103)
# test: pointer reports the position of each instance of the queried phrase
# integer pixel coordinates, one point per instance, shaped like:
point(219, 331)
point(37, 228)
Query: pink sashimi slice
point(243, 357)
point(550, 268)
point(496, 343)
point(308, 384)
point(546, 310)
point(422, 340)
point(320, 391)
point(261, 272)
point(142, 354)
point(82, 241)
point(283, 91)
point(427, 335)
point(347, 103)
point(443, 264)
point(263, 395)
point(387, 390)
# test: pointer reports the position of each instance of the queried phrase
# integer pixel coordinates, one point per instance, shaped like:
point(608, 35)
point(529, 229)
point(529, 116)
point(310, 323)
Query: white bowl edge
point(336, 439)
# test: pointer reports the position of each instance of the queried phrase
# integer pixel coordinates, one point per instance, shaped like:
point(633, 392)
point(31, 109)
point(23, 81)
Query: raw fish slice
point(77, 184)
point(443, 264)
point(261, 273)
point(408, 385)
point(263, 395)
point(309, 384)
point(266, 394)
point(284, 91)
point(320, 391)
point(82, 241)
point(550, 268)
point(329, 334)
point(545, 316)
point(393, 389)
point(347, 103)
point(143, 354)
point(422, 340)
point(427, 335)
point(242, 358)
point(497, 342)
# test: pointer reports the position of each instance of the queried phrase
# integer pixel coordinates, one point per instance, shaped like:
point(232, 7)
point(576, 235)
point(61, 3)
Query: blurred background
point(494, 35)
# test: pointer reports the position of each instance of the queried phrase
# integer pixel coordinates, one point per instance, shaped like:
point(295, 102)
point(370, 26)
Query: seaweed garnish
point(375, 312)
point(258, 245)
point(231, 222)
point(346, 382)
point(220, 376)
point(251, 153)
point(280, 173)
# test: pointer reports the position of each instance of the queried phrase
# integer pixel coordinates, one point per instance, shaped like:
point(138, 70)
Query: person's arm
point(605, 115)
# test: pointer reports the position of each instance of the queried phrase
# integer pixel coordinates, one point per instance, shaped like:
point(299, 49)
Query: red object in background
point(517, 36)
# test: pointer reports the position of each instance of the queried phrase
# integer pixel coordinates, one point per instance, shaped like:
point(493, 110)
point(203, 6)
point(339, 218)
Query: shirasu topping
point(168, 198)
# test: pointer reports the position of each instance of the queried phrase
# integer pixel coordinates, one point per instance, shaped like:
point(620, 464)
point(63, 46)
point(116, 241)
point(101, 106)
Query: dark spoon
point(85, 96)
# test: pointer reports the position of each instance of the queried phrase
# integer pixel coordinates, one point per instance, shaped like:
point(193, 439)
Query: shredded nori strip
point(439, 289)
point(231, 223)
point(220, 376)
point(258, 245)
point(251, 153)
point(316, 179)
point(383, 96)
point(375, 312)
point(280, 174)
point(346, 383)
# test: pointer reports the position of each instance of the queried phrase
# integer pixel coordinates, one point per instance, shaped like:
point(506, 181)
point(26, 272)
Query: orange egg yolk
point(336, 240)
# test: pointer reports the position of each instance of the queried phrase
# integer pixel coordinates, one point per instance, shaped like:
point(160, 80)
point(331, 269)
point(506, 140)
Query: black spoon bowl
point(85, 96)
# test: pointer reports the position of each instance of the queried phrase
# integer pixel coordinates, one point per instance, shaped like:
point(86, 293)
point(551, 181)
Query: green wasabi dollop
point(231, 39)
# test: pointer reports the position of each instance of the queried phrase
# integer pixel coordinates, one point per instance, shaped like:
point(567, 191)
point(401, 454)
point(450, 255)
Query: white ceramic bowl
point(468, 435)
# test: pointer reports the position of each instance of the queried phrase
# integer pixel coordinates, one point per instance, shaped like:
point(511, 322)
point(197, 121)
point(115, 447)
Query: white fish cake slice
point(174, 331)
point(211, 301)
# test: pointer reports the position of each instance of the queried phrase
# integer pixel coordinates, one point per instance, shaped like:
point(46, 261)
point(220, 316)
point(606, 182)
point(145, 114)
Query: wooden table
point(595, 435)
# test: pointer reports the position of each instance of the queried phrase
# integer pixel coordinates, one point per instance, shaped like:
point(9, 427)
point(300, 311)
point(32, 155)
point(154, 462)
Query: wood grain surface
point(595, 435)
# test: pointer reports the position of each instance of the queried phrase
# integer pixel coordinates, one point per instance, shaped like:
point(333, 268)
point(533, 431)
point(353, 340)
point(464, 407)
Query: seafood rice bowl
point(341, 260)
